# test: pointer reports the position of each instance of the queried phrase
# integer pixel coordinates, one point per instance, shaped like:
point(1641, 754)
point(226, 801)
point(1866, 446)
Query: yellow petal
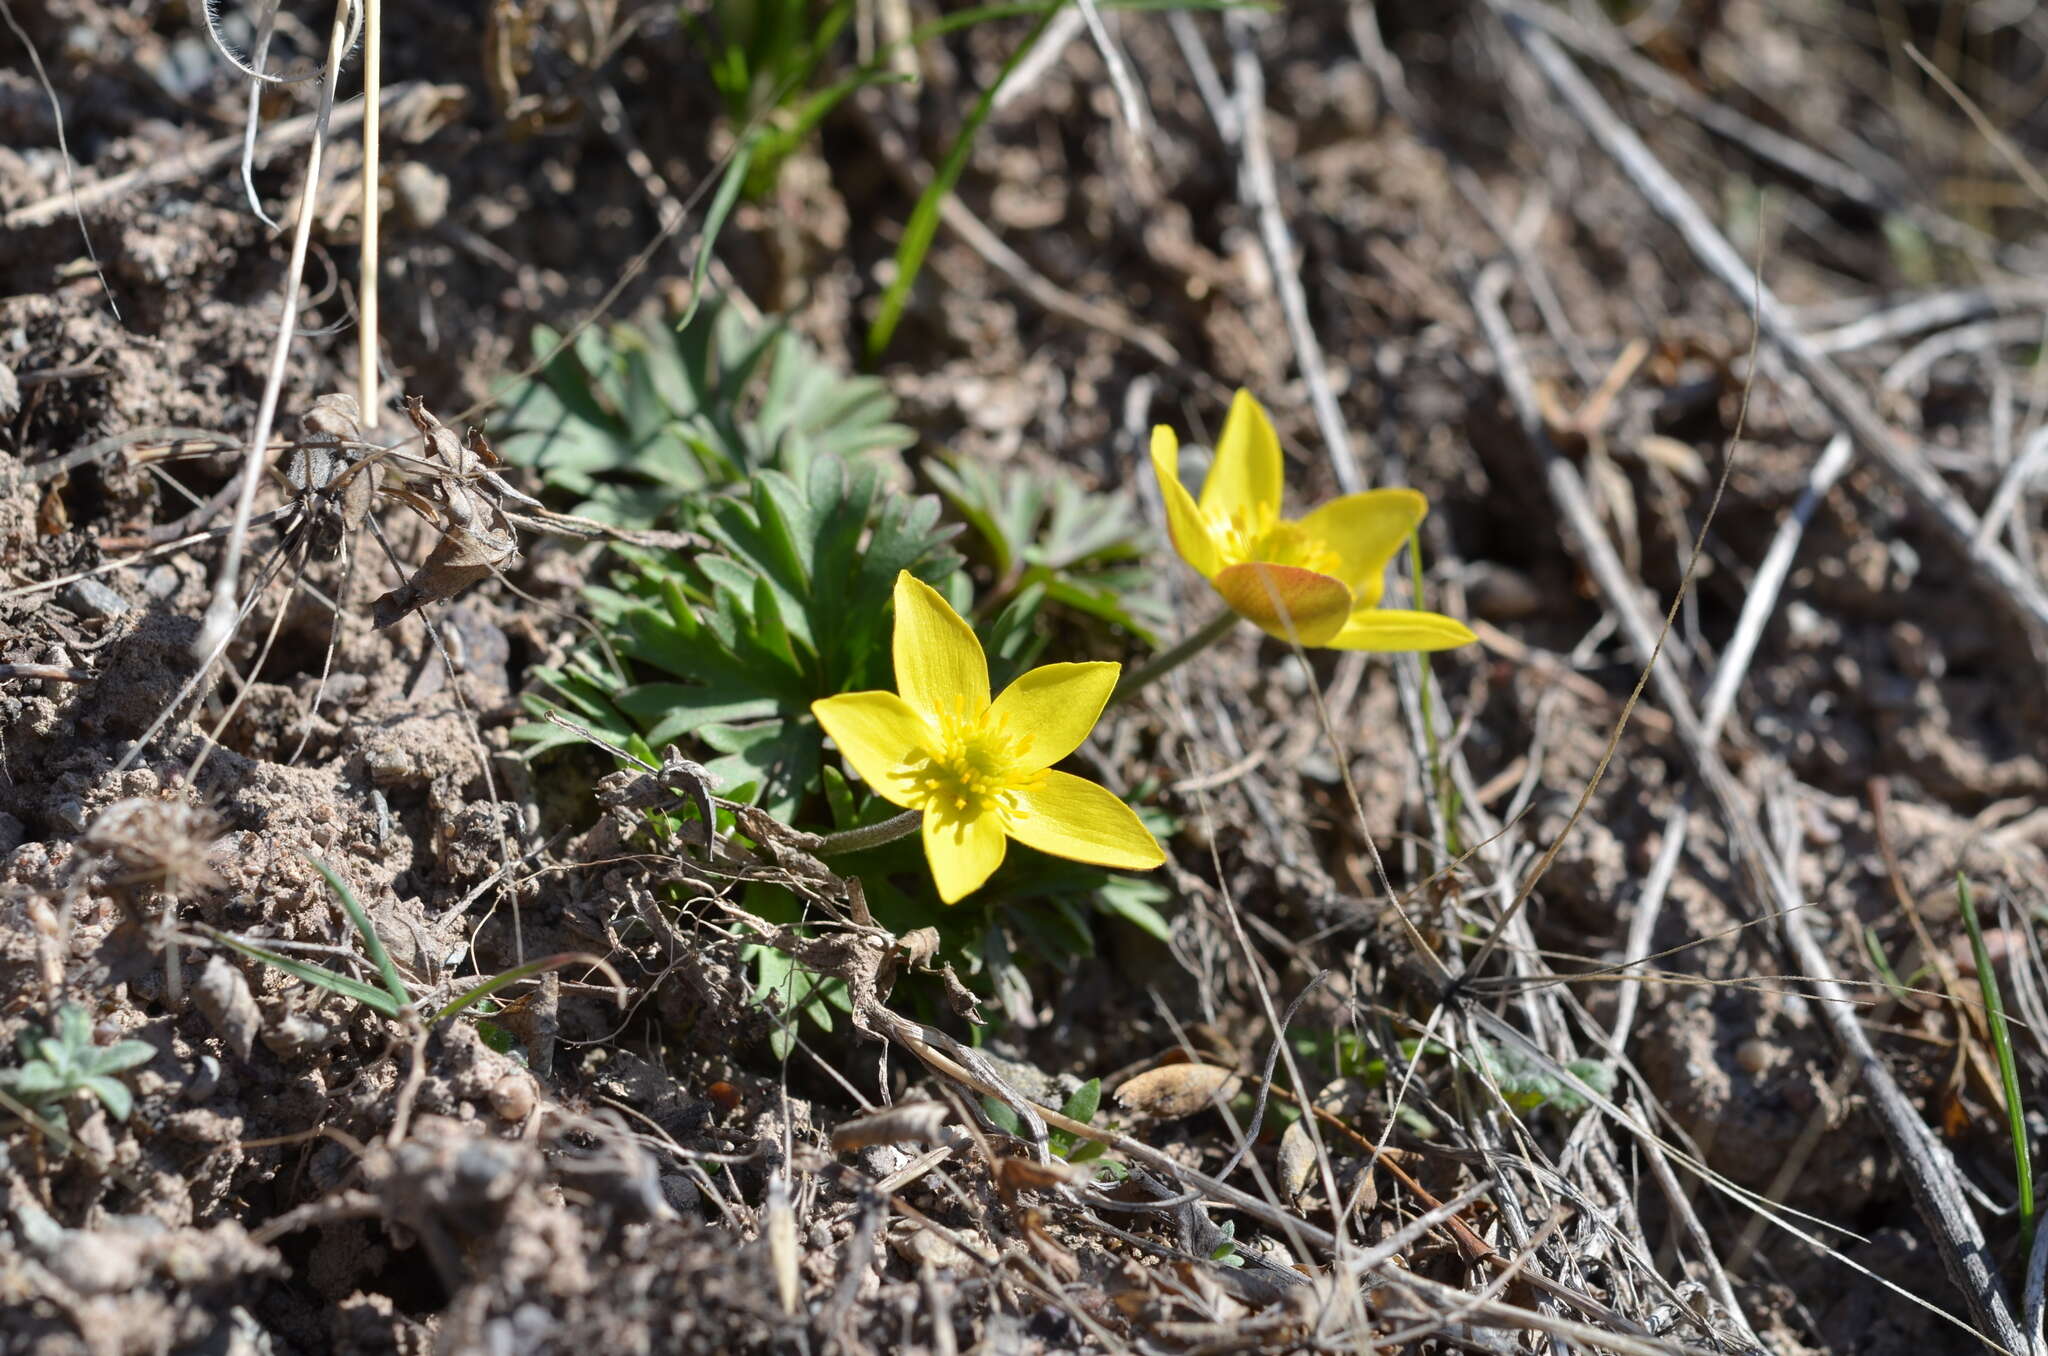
point(1365, 530)
point(1184, 522)
point(1069, 816)
point(1272, 596)
point(939, 664)
point(963, 852)
point(1055, 707)
point(877, 733)
point(1383, 628)
point(1245, 477)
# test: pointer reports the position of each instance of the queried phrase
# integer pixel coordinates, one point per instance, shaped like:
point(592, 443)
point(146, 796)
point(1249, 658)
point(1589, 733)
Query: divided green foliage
point(1526, 1085)
point(792, 606)
point(1049, 540)
point(635, 420)
point(1226, 1252)
point(65, 1061)
point(741, 435)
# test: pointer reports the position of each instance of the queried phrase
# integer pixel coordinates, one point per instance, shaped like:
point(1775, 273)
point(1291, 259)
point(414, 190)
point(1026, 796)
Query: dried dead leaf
point(1296, 1160)
point(1017, 1174)
point(1674, 456)
point(782, 1250)
point(911, 1123)
point(1177, 1090)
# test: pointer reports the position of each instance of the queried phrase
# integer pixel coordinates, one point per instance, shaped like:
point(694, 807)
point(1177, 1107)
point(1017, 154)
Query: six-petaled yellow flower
point(981, 770)
point(1316, 579)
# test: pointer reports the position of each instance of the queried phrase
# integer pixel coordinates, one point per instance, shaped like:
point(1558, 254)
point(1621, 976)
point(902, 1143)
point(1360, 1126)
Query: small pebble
point(297, 1035)
point(203, 1081)
point(512, 1098)
point(1755, 1055)
point(70, 812)
point(420, 194)
point(91, 599)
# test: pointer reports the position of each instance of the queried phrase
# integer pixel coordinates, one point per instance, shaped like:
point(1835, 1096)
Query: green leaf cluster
point(65, 1061)
point(743, 436)
point(791, 605)
point(1048, 540)
point(635, 420)
point(1080, 1106)
point(1526, 1084)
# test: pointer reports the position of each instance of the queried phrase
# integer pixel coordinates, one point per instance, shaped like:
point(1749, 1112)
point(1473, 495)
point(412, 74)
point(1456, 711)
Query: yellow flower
point(981, 770)
point(1324, 573)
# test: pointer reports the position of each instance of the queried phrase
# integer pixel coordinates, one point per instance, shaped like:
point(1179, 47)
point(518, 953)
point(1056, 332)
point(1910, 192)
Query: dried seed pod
point(1346, 1099)
point(1176, 1090)
point(155, 842)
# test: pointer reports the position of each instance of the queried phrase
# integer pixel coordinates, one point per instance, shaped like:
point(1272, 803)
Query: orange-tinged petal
point(1184, 522)
point(1275, 596)
point(1072, 817)
point(1054, 708)
point(963, 852)
point(939, 664)
point(877, 733)
point(1385, 628)
point(1245, 477)
point(1365, 530)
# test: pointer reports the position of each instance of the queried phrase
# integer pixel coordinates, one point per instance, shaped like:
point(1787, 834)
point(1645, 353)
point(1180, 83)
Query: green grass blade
point(394, 983)
point(2008, 1069)
point(924, 218)
point(526, 971)
point(369, 995)
point(1440, 787)
point(729, 186)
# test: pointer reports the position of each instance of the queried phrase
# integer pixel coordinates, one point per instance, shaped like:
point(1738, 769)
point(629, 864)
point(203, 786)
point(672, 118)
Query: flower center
point(1261, 534)
point(972, 767)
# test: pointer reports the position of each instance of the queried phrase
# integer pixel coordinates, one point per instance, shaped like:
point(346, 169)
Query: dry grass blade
point(217, 628)
point(1932, 1176)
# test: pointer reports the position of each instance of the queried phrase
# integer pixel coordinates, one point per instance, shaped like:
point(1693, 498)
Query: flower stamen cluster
point(976, 765)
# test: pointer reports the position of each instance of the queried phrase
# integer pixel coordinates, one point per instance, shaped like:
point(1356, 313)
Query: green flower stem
point(1193, 644)
point(869, 836)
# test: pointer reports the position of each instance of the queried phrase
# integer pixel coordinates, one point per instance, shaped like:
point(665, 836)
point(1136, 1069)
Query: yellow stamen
point(1260, 534)
point(974, 766)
